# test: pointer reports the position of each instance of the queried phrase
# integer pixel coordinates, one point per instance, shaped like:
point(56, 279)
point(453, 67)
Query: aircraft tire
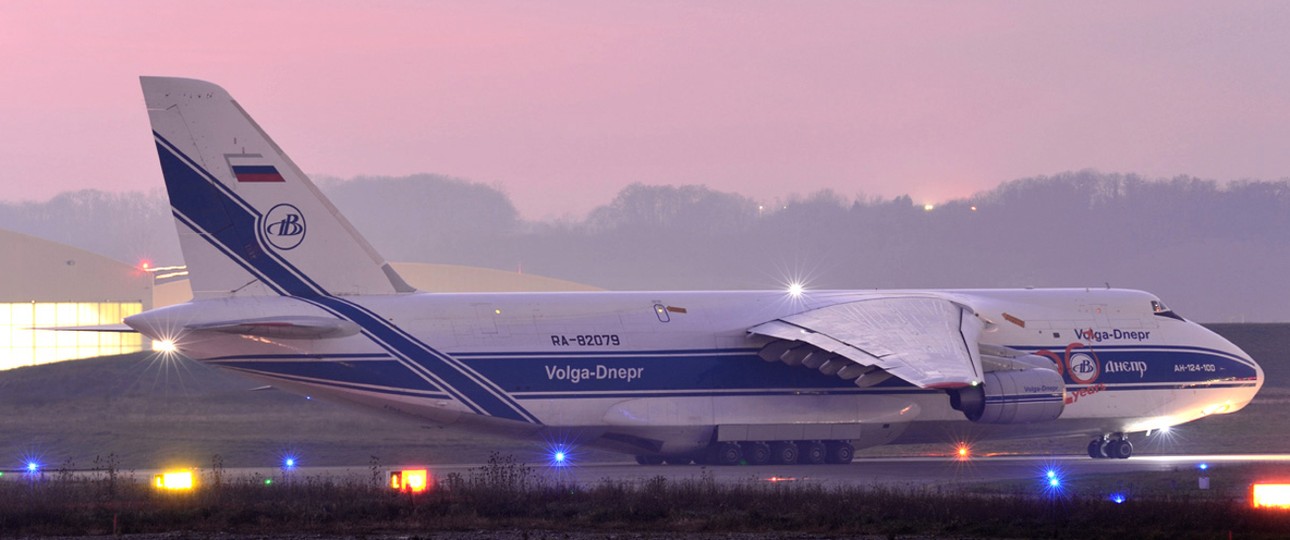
point(1095, 449)
point(726, 453)
point(840, 452)
point(756, 453)
point(811, 452)
point(649, 460)
point(784, 453)
point(1120, 449)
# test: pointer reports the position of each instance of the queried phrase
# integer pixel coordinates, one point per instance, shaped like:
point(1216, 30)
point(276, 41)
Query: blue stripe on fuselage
point(696, 373)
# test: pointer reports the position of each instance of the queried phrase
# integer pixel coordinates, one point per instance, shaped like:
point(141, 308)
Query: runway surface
point(888, 471)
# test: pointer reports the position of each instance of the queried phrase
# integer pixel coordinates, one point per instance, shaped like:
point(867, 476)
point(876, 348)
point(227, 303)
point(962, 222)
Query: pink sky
point(563, 104)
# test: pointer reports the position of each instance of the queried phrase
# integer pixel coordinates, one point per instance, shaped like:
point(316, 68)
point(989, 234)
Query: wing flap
point(928, 341)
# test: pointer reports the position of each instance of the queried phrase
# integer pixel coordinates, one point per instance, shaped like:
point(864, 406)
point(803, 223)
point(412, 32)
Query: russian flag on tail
point(257, 173)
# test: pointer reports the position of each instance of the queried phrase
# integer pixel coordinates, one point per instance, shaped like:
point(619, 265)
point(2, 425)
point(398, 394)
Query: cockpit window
point(1161, 310)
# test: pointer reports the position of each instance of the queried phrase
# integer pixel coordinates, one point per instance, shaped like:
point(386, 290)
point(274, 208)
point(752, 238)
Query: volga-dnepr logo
point(1084, 369)
point(284, 226)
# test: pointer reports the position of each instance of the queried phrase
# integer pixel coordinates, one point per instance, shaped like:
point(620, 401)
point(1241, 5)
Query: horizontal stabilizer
point(301, 327)
point(927, 341)
point(94, 328)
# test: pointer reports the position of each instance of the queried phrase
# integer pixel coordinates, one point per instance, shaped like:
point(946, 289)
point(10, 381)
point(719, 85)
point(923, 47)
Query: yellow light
point(174, 480)
point(411, 480)
point(964, 452)
point(973, 208)
point(929, 207)
point(1271, 495)
point(164, 345)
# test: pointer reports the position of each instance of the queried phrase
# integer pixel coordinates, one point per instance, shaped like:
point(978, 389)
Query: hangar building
point(46, 284)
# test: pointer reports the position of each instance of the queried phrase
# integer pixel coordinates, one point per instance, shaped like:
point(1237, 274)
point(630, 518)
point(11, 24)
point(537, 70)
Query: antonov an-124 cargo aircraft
point(286, 291)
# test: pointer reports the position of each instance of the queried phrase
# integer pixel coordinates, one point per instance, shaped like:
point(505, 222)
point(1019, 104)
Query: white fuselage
point(660, 372)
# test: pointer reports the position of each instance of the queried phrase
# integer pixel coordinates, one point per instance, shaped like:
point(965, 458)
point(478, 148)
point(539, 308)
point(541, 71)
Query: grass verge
point(505, 494)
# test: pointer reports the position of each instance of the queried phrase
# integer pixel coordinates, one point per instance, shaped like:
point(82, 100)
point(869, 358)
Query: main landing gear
point(761, 453)
point(1117, 447)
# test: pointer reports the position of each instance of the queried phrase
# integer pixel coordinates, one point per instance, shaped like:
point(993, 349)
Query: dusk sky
point(561, 104)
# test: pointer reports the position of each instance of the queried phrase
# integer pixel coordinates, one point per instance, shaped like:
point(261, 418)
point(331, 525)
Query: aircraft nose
point(1248, 395)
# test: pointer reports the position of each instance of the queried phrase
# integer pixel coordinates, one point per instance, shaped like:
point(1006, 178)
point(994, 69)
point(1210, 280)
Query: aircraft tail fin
point(250, 222)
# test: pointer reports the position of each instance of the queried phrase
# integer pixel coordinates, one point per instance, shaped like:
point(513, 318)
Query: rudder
point(250, 221)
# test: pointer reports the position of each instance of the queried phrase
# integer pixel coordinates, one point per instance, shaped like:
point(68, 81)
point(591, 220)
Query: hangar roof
point(34, 269)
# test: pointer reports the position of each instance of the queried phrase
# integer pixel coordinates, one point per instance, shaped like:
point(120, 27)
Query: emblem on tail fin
point(284, 226)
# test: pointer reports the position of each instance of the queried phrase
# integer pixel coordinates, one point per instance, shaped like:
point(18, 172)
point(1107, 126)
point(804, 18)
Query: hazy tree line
point(1218, 252)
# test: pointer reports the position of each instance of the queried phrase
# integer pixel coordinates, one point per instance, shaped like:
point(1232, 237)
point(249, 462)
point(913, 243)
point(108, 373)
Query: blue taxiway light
point(32, 466)
point(1118, 498)
point(289, 463)
point(1052, 481)
point(1203, 466)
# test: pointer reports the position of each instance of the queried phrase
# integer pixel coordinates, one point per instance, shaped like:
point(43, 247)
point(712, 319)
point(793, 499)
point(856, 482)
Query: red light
point(963, 451)
point(411, 480)
point(1270, 496)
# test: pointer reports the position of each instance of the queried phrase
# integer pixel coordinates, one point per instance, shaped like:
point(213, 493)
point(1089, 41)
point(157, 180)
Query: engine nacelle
point(1013, 397)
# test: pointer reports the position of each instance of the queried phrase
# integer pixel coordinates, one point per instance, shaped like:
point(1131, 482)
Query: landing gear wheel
point(649, 460)
point(783, 453)
point(756, 453)
point(1095, 448)
point(726, 453)
point(839, 452)
point(1119, 449)
point(811, 452)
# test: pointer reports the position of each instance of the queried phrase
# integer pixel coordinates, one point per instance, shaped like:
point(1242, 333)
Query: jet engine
point(1013, 397)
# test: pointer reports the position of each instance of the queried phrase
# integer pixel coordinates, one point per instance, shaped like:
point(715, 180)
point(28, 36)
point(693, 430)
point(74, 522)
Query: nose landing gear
point(1117, 447)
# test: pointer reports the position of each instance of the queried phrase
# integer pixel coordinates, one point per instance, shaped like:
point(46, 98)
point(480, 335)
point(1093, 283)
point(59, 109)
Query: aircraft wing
point(928, 341)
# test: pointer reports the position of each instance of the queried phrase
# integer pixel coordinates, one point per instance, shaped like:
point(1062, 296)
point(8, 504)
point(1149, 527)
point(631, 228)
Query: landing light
point(796, 289)
point(410, 480)
point(174, 481)
point(164, 345)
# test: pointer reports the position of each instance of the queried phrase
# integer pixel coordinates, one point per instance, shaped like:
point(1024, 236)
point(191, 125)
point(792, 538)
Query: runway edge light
point(1270, 496)
point(410, 480)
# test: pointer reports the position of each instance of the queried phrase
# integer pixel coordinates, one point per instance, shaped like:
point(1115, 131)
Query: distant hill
point(1213, 251)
